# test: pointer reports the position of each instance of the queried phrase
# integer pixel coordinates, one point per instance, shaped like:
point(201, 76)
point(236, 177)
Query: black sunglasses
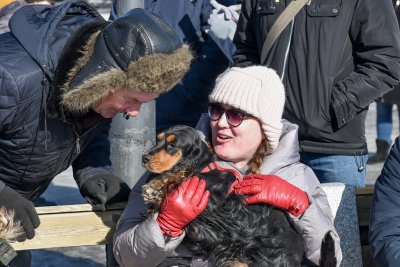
point(233, 116)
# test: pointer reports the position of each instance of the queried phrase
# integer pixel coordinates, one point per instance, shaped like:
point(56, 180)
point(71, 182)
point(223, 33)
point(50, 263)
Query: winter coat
point(39, 138)
point(385, 212)
point(335, 59)
point(185, 103)
point(141, 243)
point(393, 97)
point(6, 12)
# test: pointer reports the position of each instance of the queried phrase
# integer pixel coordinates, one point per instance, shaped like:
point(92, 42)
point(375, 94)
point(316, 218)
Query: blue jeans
point(349, 170)
point(384, 121)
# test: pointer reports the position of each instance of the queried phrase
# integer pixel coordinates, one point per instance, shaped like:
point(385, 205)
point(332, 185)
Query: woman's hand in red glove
point(273, 190)
point(182, 206)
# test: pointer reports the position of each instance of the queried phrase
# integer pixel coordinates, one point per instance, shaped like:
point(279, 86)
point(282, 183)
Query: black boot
point(381, 153)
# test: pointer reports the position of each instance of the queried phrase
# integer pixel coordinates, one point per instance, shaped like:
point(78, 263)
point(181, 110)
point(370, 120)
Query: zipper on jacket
point(45, 84)
point(77, 144)
point(77, 141)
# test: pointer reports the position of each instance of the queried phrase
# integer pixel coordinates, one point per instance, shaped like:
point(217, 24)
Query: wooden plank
point(365, 190)
point(75, 208)
point(80, 225)
point(73, 225)
point(364, 201)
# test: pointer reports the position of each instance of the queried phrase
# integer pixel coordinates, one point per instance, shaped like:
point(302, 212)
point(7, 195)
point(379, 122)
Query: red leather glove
point(182, 206)
point(272, 190)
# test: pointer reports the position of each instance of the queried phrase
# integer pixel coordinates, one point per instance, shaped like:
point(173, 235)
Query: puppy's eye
point(171, 145)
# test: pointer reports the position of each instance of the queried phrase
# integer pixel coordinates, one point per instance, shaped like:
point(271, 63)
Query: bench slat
point(72, 225)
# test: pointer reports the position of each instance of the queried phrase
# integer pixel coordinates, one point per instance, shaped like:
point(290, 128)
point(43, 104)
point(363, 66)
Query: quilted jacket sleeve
point(376, 42)
point(385, 213)
point(317, 220)
point(8, 104)
point(139, 242)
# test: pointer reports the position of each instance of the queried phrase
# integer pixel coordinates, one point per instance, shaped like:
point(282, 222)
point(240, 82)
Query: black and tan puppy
point(228, 232)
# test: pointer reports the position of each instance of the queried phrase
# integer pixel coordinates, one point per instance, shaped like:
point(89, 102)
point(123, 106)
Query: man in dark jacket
point(185, 103)
point(385, 212)
point(334, 58)
point(64, 73)
point(384, 115)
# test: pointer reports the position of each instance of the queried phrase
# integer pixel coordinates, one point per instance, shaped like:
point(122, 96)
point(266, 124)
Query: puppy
point(228, 232)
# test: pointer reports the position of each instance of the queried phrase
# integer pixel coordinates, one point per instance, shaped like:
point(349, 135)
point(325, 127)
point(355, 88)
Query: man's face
point(122, 101)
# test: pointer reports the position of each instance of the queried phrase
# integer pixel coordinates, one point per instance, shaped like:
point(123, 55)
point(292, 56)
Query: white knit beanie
point(256, 90)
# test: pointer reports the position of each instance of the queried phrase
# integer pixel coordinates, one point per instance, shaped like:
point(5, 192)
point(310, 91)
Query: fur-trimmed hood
point(138, 52)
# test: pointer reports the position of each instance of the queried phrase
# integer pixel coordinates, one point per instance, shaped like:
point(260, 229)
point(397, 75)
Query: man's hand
point(230, 12)
point(182, 206)
point(273, 190)
point(104, 189)
point(24, 211)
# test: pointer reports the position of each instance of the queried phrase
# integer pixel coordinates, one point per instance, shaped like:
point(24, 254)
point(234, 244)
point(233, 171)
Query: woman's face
point(121, 101)
point(236, 144)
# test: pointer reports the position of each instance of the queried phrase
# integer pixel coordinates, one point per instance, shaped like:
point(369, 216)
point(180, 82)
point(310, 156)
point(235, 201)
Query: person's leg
point(349, 170)
point(384, 127)
point(384, 122)
point(23, 259)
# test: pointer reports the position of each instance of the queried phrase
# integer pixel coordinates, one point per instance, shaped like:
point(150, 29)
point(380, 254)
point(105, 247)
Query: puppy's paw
point(154, 191)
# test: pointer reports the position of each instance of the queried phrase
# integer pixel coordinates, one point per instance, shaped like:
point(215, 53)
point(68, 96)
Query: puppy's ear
point(160, 136)
point(206, 154)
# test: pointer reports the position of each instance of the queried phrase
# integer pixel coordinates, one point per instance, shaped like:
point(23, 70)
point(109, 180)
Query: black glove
point(24, 211)
point(104, 189)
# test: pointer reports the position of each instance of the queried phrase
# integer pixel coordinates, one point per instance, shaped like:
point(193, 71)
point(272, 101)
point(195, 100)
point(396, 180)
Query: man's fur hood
point(156, 73)
point(138, 51)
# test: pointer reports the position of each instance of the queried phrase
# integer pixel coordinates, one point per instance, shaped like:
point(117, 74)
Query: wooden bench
point(80, 225)
point(72, 226)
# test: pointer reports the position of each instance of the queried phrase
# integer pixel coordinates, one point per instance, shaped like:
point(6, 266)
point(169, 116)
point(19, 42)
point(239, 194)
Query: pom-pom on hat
point(257, 90)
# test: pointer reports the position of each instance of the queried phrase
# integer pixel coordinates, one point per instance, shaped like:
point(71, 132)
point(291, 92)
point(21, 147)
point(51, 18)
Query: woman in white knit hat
point(249, 136)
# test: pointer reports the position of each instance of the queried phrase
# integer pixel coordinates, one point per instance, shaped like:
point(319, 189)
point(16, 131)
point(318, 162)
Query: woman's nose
point(223, 122)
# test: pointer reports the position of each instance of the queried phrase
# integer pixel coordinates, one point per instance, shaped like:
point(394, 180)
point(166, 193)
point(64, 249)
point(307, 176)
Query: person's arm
point(385, 212)
point(93, 171)
point(246, 45)
point(149, 242)
point(24, 210)
point(302, 198)
point(376, 42)
point(135, 239)
point(317, 219)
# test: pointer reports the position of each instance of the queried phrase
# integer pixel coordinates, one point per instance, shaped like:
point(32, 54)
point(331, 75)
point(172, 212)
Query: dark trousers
point(23, 259)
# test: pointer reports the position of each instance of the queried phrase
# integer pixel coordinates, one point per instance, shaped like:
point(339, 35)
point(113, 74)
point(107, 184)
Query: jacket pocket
point(265, 7)
point(330, 8)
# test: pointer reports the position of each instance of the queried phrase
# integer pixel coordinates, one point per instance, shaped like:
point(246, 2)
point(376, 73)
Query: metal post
point(122, 6)
point(130, 138)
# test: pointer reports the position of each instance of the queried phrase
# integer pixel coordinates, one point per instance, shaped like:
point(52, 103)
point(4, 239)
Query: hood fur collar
point(155, 73)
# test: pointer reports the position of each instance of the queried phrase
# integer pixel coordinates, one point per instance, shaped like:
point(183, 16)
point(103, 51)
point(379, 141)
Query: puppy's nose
point(146, 158)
